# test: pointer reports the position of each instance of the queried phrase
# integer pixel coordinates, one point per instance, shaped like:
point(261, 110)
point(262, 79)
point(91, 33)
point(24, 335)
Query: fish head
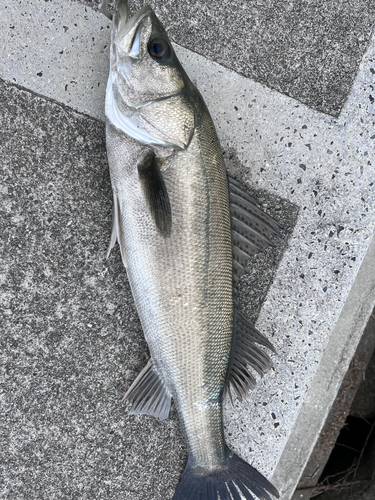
point(147, 84)
point(147, 65)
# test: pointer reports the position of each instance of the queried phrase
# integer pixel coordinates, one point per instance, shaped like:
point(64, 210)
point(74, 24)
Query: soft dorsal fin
point(251, 228)
point(155, 192)
point(148, 394)
point(246, 352)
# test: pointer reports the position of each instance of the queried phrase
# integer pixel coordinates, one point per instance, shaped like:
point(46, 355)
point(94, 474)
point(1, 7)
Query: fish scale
point(172, 219)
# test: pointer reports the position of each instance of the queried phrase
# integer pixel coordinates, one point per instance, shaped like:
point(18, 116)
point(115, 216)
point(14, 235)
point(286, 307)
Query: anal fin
point(148, 394)
point(245, 351)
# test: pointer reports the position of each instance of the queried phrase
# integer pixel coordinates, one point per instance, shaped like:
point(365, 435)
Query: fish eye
point(159, 49)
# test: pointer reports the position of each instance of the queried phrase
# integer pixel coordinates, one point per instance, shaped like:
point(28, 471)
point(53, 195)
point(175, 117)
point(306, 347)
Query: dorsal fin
point(245, 351)
point(155, 192)
point(148, 394)
point(251, 228)
point(251, 205)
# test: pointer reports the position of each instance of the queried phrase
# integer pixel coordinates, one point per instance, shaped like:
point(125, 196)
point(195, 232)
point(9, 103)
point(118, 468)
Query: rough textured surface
point(357, 386)
point(309, 50)
point(334, 364)
point(364, 401)
point(292, 156)
point(71, 342)
point(59, 49)
point(350, 471)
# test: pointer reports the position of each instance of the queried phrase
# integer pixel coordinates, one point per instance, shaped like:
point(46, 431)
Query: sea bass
point(180, 223)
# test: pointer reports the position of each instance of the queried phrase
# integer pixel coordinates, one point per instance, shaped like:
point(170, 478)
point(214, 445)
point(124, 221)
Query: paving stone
point(307, 49)
point(296, 160)
point(71, 342)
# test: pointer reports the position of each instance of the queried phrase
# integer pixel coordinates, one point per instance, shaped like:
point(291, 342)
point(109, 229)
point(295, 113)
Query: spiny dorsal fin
point(155, 192)
point(243, 200)
point(246, 352)
point(148, 394)
point(251, 228)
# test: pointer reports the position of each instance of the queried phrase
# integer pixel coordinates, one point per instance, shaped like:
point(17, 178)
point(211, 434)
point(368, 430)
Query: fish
point(186, 232)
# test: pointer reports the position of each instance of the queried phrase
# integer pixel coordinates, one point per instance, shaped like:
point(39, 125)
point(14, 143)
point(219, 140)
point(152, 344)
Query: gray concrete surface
point(70, 339)
point(59, 50)
point(334, 364)
point(309, 50)
point(364, 401)
point(350, 471)
point(356, 397)
point(58, 423)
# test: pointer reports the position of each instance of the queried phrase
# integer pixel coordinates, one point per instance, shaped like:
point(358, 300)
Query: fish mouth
point(134, 21)
point(129, 30)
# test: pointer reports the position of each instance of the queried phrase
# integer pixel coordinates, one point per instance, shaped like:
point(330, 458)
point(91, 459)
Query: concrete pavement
point(72, 341)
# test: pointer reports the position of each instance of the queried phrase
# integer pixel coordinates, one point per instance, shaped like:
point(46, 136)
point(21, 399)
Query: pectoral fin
point(148, 394)
point(155, 192)
point(117, 233)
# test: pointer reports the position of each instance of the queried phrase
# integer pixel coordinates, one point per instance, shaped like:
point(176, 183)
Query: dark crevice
point(350, 471)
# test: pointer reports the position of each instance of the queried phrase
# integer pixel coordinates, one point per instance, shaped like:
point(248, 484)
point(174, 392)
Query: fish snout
point(132, 39)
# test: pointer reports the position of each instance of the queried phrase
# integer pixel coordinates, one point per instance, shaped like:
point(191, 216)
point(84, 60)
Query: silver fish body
point(172, 219)
point(182, 284)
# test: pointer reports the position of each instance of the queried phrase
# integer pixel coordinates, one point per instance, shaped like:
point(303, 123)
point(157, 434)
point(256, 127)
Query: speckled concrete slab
point(294, 155)
point(70, 338)
point(308, 50)
point(59, 50)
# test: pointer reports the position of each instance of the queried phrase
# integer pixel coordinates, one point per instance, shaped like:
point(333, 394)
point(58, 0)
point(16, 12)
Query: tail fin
point(227, 484)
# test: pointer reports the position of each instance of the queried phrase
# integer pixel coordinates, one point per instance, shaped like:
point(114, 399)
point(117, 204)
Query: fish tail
point(228, 483)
